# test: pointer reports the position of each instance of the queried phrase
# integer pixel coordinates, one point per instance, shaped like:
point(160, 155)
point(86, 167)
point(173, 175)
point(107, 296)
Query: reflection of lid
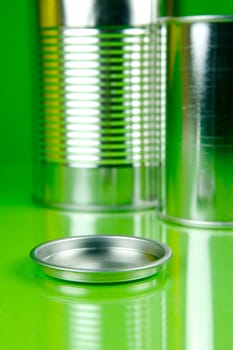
point(93, 316)
point(101, 259)
point(67, 292)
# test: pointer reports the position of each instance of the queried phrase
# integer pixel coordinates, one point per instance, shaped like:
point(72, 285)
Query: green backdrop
point(18, 54)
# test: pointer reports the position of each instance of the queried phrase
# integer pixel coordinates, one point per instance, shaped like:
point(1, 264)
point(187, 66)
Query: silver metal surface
point(101, 259)
point(93, 13)
point(97, 135)
point(197, 141)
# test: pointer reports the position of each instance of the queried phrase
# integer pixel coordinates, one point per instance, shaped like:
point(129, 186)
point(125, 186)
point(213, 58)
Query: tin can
point(97, 134)
point(197, 120)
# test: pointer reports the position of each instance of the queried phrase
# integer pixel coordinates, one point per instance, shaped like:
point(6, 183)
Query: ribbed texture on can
point(98, 97)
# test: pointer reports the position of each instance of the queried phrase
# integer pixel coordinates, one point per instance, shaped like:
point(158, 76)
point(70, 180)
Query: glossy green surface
point(189, 308)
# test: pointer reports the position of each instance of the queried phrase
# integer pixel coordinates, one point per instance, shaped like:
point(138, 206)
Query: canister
point(96, 135)
point(196, 114)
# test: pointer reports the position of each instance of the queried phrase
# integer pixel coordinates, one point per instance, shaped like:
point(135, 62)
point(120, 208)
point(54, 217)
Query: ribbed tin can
point(97, 134)
point(197, 120)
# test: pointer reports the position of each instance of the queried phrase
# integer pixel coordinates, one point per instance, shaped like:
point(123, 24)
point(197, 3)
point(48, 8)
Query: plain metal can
point(97, 133)
point(196, 113)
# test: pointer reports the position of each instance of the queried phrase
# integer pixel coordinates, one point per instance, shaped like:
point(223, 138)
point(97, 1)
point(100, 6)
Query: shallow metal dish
point(101, 259)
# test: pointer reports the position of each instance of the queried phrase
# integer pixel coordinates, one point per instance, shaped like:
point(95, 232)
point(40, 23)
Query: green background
point(18, 69)
point(190, 308)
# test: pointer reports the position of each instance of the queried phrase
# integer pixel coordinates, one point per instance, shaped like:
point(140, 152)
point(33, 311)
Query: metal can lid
point(101, 258)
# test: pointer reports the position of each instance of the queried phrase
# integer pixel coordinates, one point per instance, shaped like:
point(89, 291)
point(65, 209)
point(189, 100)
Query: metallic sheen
point(101, 259)
point(97, 133)
point(197, 122)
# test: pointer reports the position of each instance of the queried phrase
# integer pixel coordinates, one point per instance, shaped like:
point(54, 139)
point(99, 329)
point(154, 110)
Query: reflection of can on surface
point(126, 316)
point(197, 184)
point(97, 128)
